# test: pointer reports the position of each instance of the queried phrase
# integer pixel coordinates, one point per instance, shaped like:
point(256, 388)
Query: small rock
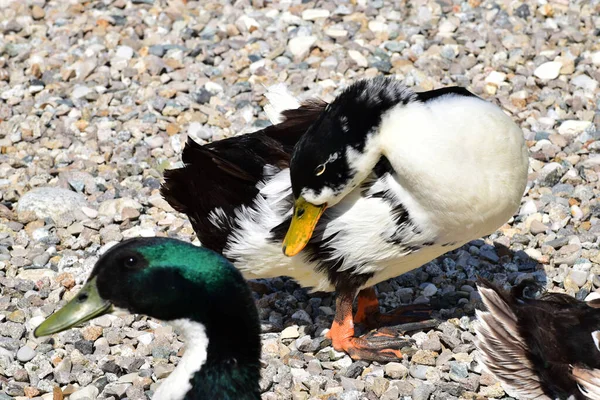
point(163, 370)
point(358, 58)
point(88, 392)
point(25, 354)
point(574, 127)
point(548, 70)
point(37, 12)
point(585, 82)
point(314, 14)
point(300, 46)
point(49, 202)
point(396, 370)
point(495, 391)
point(537, 227)
point(291, 332)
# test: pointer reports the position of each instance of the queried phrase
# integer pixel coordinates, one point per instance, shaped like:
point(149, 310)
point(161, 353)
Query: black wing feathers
point(223, 174)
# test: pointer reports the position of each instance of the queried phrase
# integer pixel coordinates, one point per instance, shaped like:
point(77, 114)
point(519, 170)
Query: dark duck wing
point(544, 348)
point(222, 176)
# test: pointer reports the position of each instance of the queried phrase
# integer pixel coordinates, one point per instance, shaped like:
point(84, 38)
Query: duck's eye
point(131, 262)
point(320, 169)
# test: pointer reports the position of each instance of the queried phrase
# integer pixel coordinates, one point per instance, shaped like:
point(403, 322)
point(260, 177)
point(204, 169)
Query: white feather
point(280, 99)
point(176, 385)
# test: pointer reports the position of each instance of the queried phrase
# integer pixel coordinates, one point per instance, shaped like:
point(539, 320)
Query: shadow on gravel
point(447, 284)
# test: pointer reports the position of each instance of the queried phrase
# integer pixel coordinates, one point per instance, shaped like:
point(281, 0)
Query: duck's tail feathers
point(588, 381)
point(502, 349)
point(280, 99)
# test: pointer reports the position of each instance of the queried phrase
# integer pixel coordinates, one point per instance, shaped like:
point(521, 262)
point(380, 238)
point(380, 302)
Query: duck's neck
point(222, 356)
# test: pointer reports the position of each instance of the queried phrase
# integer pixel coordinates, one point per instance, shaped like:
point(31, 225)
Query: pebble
point(300, 46)
point(315, 14)
point(358, 58)
point(574, 127)
point(396, 370)
point(548, 70)
point(25, 354)
point(59, 204)
point(291, 332)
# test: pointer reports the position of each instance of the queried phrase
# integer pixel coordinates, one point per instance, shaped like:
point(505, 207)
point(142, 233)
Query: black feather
point(556, 330)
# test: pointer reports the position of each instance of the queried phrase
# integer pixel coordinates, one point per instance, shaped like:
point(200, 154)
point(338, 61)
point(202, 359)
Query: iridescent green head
point(159, 277)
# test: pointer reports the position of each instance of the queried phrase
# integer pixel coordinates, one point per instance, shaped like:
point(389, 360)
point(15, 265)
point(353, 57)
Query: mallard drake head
point(338, 152)
point(540, 348)
point(196, 290)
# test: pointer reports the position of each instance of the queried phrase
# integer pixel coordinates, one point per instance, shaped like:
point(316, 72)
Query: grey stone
point(59, 204)
point(25, 354)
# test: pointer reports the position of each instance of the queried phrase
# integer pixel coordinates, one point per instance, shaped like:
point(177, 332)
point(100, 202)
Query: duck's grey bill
point(86, 305)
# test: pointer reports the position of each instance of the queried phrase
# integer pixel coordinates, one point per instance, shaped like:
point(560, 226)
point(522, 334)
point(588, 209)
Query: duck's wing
point(222, 176)
point(588, 381)
point(216, 179)
point(502, 348)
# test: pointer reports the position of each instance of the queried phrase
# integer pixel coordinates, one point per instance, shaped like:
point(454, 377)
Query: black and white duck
point(372, 185)
point(194, 289)
point(544, 348)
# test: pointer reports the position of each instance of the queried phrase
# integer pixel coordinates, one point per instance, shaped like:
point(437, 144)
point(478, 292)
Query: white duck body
point(459, 170)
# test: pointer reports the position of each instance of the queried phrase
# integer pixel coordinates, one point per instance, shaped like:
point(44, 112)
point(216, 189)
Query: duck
point(192, 288)
point(344, 195)
point(540, 347)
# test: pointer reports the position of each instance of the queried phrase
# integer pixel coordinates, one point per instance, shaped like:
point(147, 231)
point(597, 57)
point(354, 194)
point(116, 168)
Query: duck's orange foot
point(372, 347)
point(382, 346)
point(368, 314)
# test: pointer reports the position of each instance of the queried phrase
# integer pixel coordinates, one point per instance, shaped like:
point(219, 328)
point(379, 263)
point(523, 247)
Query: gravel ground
point(97, 99)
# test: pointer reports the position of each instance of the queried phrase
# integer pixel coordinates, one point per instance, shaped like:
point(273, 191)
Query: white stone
point(343, 362)
point(585, 82)
point(578, 277)
point(358, 58)
point(80, 91)
point(249, 23)
point(574, 127)
point(336, 33)
point(51, 202)
point(528, 208)
point(314, 14)
point(596, 58)
point(88, 392)
point(377, 26)
point(25, 354)
point(300, 46)
point(495, 78)
point(548, 70)
point(446, 27)
point(213, 87)
point(124, 52)
point(291, 332)
point(115, 207)
point(145, 338)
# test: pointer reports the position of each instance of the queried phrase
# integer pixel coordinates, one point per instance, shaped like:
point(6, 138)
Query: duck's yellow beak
point(86, 305)
point(304, 220)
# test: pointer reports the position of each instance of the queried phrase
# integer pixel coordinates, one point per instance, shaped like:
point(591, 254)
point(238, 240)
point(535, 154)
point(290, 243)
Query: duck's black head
point(339, 151)
point(172, 281)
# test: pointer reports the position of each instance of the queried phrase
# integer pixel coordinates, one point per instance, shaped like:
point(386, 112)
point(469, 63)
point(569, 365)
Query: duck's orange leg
point(372, 347)
point(368, 314)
